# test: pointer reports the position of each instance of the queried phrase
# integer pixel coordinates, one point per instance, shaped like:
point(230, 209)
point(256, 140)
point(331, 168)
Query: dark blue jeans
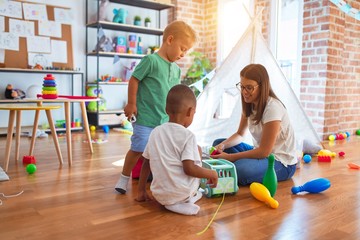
point(251, 170)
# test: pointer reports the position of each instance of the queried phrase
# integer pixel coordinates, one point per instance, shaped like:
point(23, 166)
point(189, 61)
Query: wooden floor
point(60, 202)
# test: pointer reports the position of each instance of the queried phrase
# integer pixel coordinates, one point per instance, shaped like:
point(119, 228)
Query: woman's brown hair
point(258, 73)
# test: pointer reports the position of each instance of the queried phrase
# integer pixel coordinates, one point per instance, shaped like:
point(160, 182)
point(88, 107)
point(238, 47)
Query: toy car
point(227, 182)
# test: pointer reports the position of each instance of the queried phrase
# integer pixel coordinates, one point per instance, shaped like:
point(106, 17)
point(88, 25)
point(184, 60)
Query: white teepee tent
point(251, 48)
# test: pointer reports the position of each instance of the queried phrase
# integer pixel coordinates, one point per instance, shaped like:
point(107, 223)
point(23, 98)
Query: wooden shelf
point(110, 111)
point(21, 70)
point(145, 4)
point(113, 54)
point(126, 27)
point(107, 83)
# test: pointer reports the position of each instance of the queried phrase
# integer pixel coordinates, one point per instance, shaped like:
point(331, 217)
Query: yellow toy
point(324, 152)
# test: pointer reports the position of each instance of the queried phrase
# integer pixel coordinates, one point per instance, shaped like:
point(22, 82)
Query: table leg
point(86, 125)
point(9, 138)
point(68, 131)
point(33, 137)
point(17, 134)
point(54, 135)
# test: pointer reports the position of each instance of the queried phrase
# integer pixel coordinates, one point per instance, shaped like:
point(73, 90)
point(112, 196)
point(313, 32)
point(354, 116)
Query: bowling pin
point(270, 178)
point(261, 193)
point(313, 186)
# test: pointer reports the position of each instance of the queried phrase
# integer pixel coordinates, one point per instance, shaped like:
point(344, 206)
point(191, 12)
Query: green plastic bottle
point(270, 178)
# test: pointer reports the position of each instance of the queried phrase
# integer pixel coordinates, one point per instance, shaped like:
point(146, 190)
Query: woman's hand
point(220, 147)
point(222, 155)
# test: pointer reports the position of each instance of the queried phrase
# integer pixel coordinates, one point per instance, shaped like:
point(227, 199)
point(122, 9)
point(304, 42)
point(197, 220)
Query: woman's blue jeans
point(251, 170)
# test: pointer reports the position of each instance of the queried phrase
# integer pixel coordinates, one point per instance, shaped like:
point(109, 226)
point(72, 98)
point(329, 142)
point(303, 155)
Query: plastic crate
point(227, 182)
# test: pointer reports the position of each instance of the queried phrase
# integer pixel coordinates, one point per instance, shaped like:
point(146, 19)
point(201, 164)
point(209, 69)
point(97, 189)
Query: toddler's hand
point(143, 196)
point(130, 111)
point(213, 179)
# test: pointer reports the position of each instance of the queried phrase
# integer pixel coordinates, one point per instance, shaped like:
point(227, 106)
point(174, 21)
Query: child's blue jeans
point(251, 170)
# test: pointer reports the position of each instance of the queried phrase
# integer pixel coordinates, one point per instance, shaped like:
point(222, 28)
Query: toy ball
point(339, 136)
point(307, 158)
point(31, 168)
point(347, 134)
point(33, 91)
point(331, 137)
point(106, 129)
point(358, 132)
point(92, 128)
point(341, 154)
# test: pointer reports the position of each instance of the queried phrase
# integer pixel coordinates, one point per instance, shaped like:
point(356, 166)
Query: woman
point(268, 122)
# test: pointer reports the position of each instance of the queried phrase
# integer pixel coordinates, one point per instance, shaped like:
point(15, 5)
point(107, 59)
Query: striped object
point(49, 90)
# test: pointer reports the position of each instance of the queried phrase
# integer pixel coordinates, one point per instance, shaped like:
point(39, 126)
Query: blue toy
point(120, 15)
point(106, 129)
point(227, 182)
point(307, 158)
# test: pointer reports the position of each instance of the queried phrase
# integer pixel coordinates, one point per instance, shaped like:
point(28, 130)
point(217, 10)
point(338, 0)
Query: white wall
point(23, 81)
point(116, 96)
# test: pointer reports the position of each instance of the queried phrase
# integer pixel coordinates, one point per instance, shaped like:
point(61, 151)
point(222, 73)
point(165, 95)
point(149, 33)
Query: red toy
point(213, 151)
point(324, 159)
point(341, 154)
point(29, 159)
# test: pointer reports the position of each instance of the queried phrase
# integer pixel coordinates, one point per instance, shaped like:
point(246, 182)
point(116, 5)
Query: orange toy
point(353, 166)
point(261, 193)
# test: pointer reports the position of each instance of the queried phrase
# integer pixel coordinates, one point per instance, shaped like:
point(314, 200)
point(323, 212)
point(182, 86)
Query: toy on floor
point(92, 128)
point(341, 154)
point(227, 182)
point(307, 158)
point(325, 155)
point(353, 166)
point(358, 132)
point(31, 168)
point(29, 159)
point(261, 193)
point(11, 93)
point(106, 129)
point(270, 178)
point(339, 136)
point(314, 186)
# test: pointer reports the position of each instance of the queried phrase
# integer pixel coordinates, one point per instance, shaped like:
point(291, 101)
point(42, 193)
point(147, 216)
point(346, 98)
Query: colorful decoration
point(346, 8)
point(49, 90)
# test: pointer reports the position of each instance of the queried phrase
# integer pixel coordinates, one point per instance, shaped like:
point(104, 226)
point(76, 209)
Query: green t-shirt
point(156, 76)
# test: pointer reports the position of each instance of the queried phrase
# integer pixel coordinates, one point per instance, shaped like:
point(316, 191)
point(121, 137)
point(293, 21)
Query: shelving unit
point(70, 73)
point(112, 117)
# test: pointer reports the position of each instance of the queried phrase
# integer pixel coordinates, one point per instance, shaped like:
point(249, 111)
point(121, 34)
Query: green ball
point(358, 132)
point(31, 168)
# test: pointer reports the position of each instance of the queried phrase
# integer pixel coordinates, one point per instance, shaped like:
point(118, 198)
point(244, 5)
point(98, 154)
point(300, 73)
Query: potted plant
point(147, 22)
point(200, 66)
point(137, 20)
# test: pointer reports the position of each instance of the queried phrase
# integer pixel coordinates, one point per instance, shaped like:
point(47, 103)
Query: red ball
point(341, 154)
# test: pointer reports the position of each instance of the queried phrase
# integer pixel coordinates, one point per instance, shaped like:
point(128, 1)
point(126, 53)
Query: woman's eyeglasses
point(247, 88)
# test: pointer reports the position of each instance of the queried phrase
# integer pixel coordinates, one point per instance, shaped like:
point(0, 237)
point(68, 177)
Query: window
point(286, 39)
point(233, 21)
point(234, 18)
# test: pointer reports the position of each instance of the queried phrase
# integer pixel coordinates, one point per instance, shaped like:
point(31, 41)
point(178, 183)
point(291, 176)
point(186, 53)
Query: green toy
point(31, 168)
point(270, 178)
point(227, 182)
